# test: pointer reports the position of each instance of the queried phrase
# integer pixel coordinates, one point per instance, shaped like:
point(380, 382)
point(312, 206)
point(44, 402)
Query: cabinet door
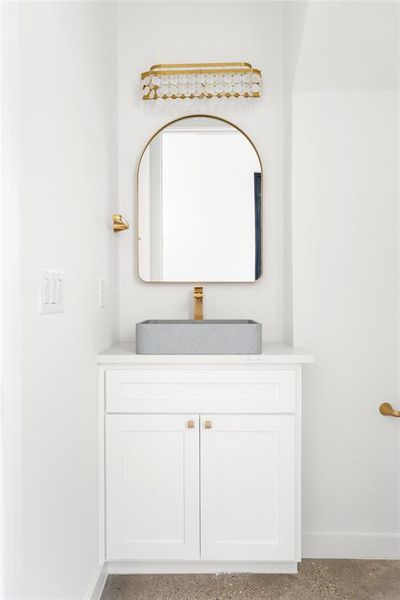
point(152, 487)
point(248, 487)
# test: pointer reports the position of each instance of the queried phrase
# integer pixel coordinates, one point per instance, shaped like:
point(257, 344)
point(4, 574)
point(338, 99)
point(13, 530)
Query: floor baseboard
point(97, 584)
point(360, 546)
point(353, 546)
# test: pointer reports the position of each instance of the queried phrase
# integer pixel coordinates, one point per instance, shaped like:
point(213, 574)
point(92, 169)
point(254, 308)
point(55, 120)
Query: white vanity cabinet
point(200, 461)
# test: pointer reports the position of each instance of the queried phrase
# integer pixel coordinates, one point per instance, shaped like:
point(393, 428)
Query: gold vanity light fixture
point(119, 223)
point(201, 80)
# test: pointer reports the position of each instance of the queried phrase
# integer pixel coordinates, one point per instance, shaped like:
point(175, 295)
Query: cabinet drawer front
point(162, 391)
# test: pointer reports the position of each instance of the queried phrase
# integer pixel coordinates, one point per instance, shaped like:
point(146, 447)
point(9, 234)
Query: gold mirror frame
point(137, 199)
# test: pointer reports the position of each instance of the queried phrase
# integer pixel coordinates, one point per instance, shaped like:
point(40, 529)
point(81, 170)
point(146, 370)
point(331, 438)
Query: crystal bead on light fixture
point(209, 80)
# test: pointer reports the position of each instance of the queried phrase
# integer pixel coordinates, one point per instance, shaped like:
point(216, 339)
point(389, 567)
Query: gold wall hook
point(119, 223)
point(387, 410)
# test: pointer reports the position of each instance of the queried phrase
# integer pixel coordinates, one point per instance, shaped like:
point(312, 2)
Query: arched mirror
point(199, 204)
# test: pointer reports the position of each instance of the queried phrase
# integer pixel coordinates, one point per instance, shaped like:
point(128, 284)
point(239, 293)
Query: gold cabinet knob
point(387, 410)
point(190, 424)
point(207, 425)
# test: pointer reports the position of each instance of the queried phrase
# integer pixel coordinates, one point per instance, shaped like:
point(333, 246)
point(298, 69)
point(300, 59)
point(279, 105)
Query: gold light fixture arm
point(387, 410)
point(119, 223)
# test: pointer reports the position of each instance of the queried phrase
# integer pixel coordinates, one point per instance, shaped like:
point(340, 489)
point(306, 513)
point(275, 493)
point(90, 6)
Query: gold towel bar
point(387, 410)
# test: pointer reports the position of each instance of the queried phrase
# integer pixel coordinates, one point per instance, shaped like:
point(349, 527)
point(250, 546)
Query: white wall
point(193, 32)
point(345, 211)
point(10, 307)
point(347, 45)
point(294, 14)
point(67, 189)
point(346, 275)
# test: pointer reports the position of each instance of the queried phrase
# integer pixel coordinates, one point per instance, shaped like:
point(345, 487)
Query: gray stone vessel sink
point(219, 336)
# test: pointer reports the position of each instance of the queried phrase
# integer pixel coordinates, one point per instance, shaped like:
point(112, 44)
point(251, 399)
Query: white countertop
point(273, 353)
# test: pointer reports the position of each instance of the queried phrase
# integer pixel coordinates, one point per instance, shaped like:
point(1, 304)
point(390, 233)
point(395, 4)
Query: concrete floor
point(317, 580)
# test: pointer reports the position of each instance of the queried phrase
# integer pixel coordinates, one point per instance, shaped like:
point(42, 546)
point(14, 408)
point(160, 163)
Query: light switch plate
point(51, 292)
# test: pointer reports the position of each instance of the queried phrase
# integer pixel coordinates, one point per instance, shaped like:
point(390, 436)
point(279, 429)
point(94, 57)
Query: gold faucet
point(198, 303)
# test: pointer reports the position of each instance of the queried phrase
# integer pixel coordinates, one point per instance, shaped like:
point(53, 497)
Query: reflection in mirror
point(199, 204)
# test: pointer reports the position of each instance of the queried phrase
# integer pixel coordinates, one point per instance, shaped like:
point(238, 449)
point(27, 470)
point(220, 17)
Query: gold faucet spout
point(198, 303)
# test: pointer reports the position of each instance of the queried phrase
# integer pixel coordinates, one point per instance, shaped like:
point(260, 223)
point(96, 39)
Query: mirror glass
point(199, 204)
